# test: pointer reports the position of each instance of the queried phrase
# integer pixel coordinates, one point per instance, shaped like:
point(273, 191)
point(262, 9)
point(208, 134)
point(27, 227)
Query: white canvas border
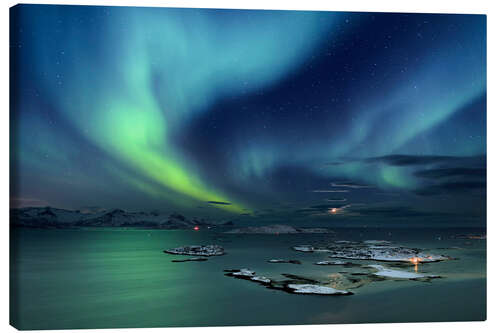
point(435, 6)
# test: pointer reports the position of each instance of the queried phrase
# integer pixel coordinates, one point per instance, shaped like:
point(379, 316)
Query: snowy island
point(294, 285)
point(373, 250)
point(197, 250)
point(284, 261)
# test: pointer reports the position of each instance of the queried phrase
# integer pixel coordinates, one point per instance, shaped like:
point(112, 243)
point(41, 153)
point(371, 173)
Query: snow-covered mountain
point(278, 229)
point(49, 217)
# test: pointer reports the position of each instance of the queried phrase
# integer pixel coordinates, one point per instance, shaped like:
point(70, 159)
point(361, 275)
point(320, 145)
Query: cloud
point(336, 199)
point(451, 187)
point(350, 185)
point(409, 160)
point(451, 172)
point(218, 202)
point(434, 174)
point(415, 160)
point(17, 202)
point(389, 193)
point(392, 212)
point(330, 191)
point(321, 208)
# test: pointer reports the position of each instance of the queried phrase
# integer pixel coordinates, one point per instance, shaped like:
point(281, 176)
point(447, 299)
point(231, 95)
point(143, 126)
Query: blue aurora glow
point(161, 108)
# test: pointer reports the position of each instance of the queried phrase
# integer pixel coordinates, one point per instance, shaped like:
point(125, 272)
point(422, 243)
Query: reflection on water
point(101, 278)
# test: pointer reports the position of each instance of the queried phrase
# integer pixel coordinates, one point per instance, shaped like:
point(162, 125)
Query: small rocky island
point(294, 285)
point(197, 250)
point(284, 261)
point(313, 289)
point(373, 250)
point(304, 248)
point(336, 263)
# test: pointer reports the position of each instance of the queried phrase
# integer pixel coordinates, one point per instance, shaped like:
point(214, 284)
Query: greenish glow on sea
point(105, 278)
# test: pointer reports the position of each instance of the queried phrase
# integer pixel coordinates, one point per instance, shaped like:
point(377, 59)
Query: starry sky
point(277, 116)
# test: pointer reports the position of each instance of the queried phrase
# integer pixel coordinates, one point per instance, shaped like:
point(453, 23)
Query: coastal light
point(196, 228)
point(415, 261)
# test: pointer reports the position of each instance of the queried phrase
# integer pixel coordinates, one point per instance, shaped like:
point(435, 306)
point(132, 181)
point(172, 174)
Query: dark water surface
point(103, 278)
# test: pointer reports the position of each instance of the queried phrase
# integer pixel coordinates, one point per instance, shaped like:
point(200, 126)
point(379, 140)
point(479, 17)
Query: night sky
point(264, 115)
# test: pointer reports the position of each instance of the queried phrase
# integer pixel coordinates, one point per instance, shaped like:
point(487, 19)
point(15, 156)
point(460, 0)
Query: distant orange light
point(333, 210)
point(415, 260)
point(196, 228)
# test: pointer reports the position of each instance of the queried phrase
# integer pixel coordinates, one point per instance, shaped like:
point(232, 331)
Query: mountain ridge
point(50, 217)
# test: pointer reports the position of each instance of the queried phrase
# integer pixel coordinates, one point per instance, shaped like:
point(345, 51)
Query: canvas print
point(210, 167)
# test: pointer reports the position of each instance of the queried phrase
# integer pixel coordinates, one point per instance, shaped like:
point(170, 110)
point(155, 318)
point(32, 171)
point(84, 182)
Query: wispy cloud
point(414, 160)
point(330, 191)
point(17, 202)
point(218, 202)
point(452, 187)
point(451, 172)
point(350, 185)
point(336, 199)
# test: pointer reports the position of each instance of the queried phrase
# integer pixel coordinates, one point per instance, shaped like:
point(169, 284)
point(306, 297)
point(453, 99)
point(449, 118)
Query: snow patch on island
point(317, 290)
point(398, 274)
point(377, 250)
point(304, 248)
point(261, 279)
point(377, 242)
point(294, 284)
point(381, 251)
point(198, 250)
point(334, 262)
point(283, 261)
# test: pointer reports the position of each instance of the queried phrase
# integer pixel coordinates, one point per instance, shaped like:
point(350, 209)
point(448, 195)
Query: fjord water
point(103, 278)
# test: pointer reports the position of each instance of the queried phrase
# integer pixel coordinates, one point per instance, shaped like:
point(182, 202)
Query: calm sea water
point(103, 278)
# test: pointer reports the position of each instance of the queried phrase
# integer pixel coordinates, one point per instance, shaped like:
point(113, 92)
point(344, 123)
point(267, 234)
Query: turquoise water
point(103, 278)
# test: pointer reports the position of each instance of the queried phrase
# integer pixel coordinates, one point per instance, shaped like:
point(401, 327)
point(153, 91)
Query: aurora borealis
point(264, 114)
